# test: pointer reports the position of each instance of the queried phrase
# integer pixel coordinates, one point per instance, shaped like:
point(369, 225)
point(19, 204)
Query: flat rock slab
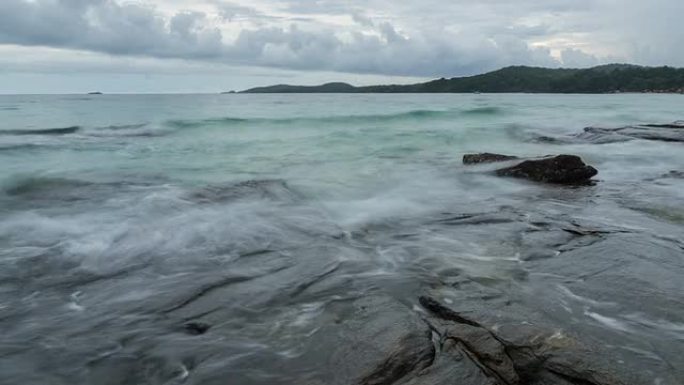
point(672, 132)
point(662, 133)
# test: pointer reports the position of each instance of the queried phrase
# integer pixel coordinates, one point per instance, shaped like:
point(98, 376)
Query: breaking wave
point(168, 127)
point(43, 131)
point(342, 119)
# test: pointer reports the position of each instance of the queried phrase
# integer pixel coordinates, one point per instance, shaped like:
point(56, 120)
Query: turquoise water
point(204, 137)
point(114, 207)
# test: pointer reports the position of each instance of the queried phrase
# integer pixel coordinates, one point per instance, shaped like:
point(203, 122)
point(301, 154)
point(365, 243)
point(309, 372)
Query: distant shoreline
point(109, 94)
point(606, 79)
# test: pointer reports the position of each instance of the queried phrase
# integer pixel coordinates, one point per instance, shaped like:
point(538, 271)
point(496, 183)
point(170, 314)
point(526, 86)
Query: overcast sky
point(58, 46)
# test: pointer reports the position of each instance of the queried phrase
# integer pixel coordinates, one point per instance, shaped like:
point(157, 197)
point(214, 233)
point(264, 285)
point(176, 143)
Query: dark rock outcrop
point(486, 157)
point(674, 174)
point(561, 169)
point(502, 362)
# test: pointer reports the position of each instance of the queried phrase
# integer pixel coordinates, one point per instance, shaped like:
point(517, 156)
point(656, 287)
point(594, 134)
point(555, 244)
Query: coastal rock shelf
point(671, 132)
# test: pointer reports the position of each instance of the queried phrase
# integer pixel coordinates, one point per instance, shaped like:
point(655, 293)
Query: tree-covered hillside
point(602, 79)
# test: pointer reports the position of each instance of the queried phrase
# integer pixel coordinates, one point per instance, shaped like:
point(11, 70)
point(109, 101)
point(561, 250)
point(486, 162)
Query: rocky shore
point(523, 270)
point(440, 345)
point(488, 335)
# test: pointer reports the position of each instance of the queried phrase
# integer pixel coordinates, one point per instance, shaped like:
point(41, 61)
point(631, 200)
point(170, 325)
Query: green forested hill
point(602, 79)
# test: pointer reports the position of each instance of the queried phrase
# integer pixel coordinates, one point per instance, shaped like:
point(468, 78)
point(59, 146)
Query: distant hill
point(325, 88)
point(609, 78)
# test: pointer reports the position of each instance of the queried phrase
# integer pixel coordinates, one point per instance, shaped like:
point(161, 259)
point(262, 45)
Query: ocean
point(227, 239)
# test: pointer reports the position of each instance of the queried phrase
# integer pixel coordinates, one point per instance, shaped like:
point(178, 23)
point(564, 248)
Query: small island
point(611, 78)
point(95, 93)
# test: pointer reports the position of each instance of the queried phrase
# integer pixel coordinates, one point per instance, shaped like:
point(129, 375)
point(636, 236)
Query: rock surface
point(561, 169)
point(502, 362)
point(486, 157)
point(673, 132)
point(663, 133)
point(387, 343)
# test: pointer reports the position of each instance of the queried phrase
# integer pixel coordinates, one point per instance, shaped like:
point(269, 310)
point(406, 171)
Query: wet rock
point(674, 174)
point(450, 367)
point(267, 189)
point(598, 135)
point(503, 362)
point(486, 157)
point(560, 169)
point(677, 124)
point(673, 132)
point(444, 312)
point(196, 328)
point(373, 341)
point(410, 354)
point(659, 132)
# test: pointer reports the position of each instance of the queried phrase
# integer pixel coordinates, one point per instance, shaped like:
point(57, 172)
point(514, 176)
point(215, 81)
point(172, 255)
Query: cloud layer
point(423, 38)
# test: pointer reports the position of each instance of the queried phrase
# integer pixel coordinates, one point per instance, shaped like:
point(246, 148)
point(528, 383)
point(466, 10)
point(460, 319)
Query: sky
point(168, 46)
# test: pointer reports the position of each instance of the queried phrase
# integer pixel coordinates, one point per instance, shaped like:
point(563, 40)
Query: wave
point(340, 119)
point(412, 115)
point(112, 131)
point(43, 131)
point(129, 130)
point(123, 127)
point(204, 122)
point(154, 130)
point(18, 146)
point(37, 190)
point(28, 186)
point(484, 111)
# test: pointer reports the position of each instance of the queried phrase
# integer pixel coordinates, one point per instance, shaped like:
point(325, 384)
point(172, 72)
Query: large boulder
point(562, 169)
